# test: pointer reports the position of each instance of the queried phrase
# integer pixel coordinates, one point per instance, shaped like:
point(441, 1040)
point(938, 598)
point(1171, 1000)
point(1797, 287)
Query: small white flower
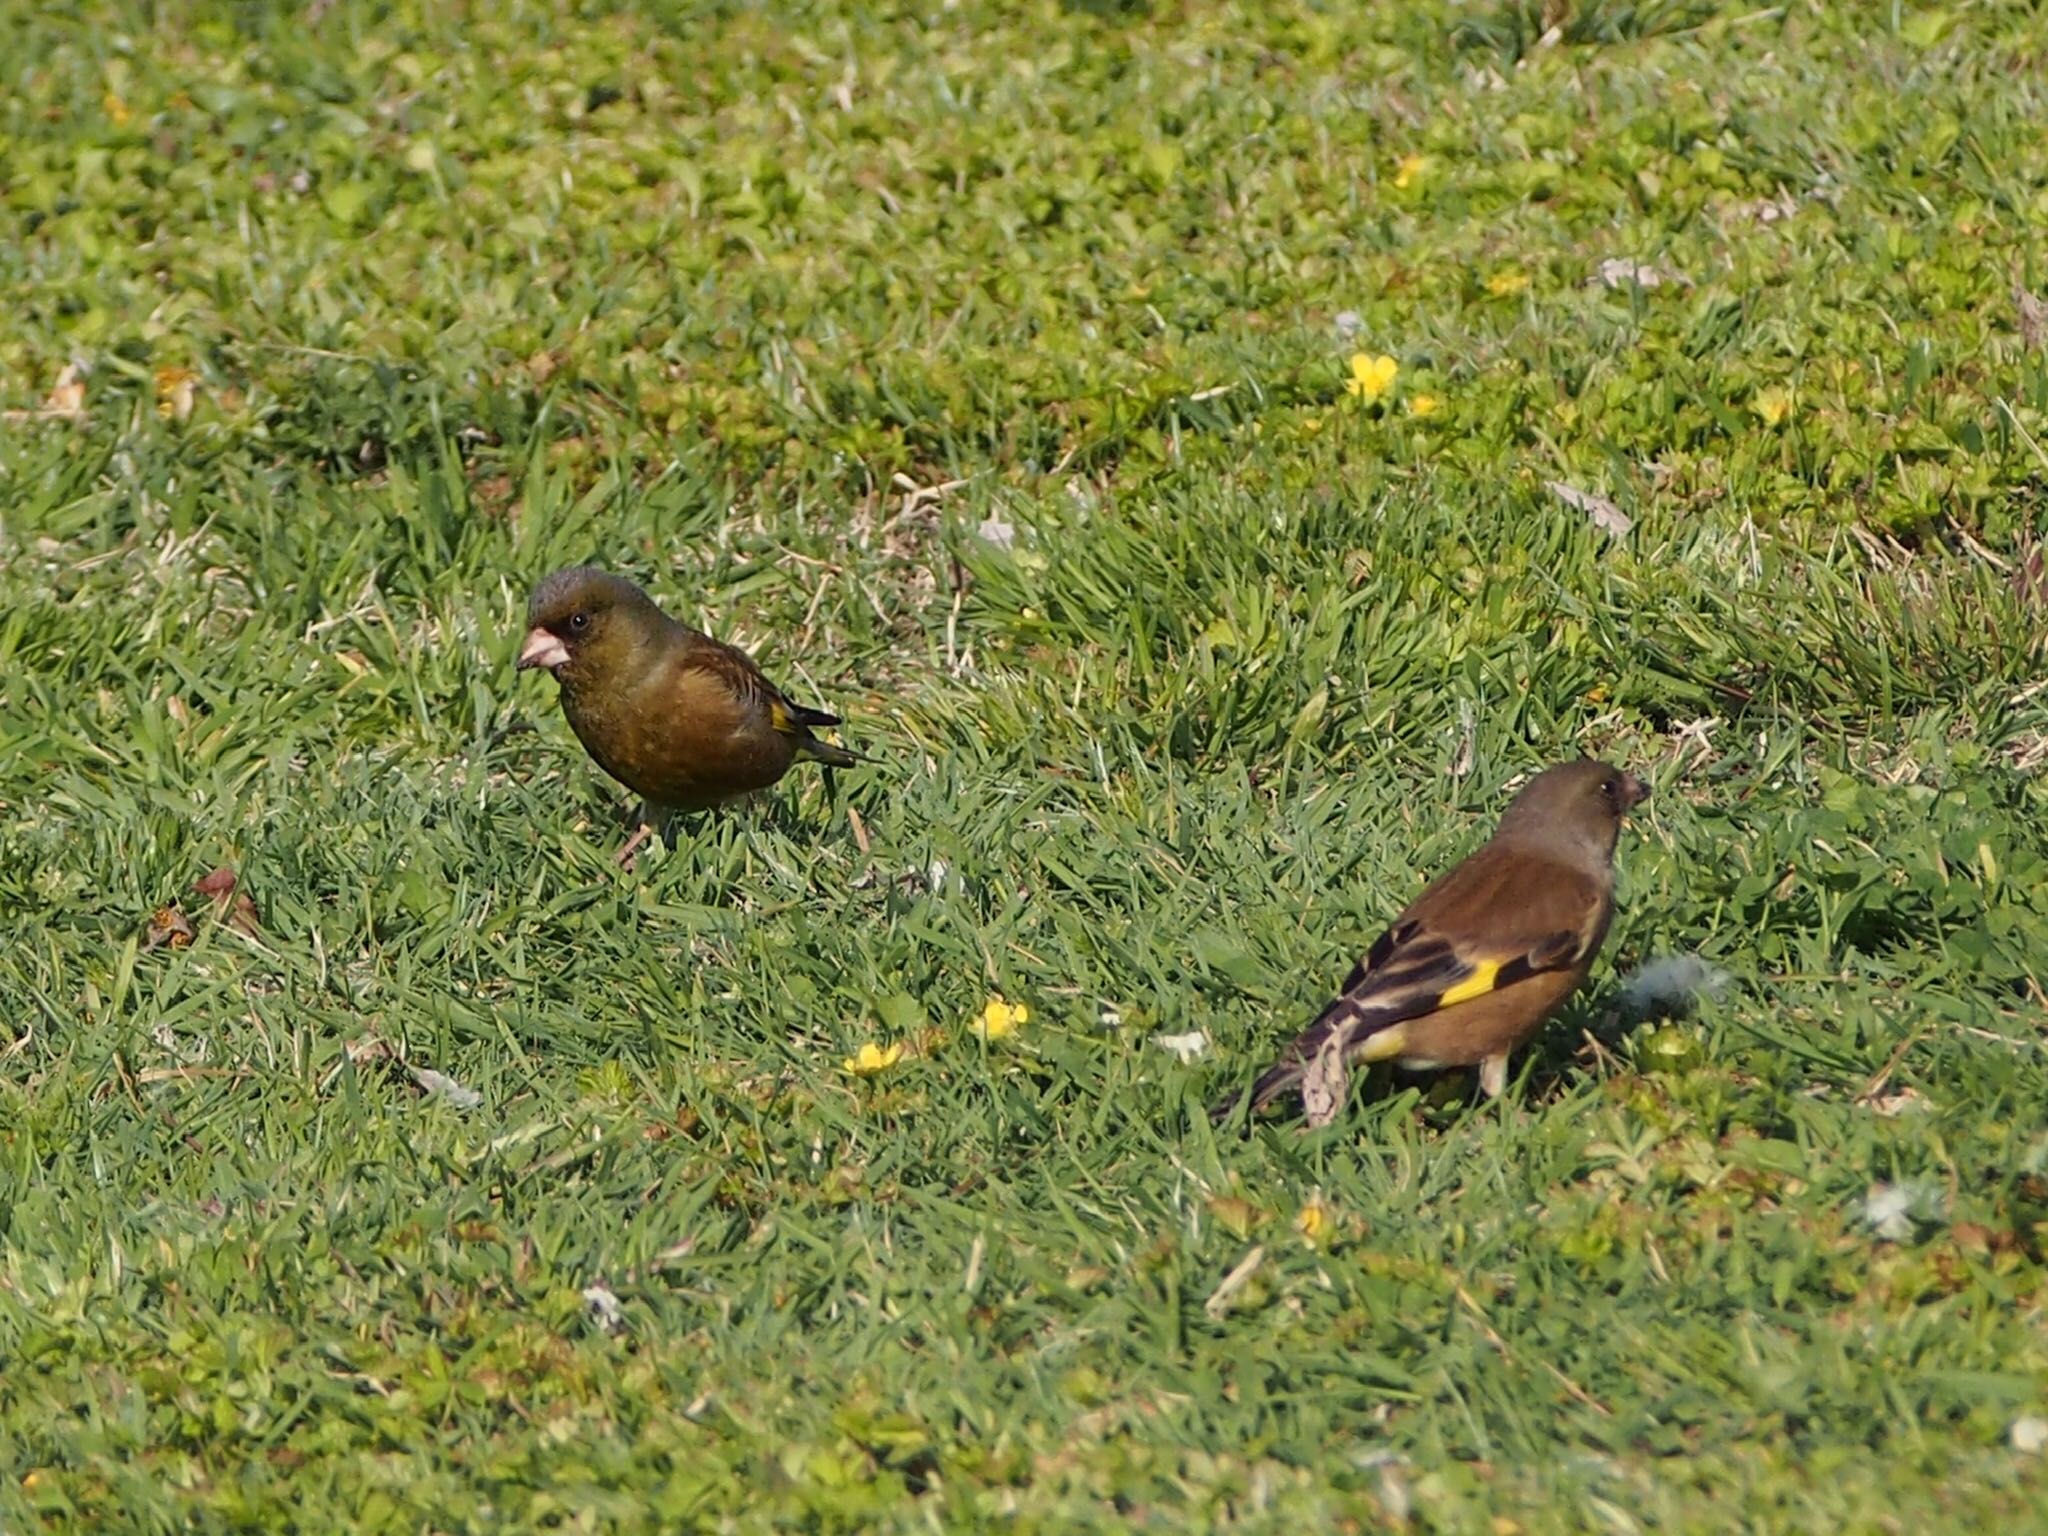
point(1618, 273)
point(1672, 984)
point(605, 1310)
point(439, 1085)
point(1187, 1047)
point(1895, 1211)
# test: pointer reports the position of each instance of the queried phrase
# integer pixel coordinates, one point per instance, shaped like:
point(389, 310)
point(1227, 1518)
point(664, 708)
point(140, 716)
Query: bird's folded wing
point(750, 689)
point(1427, 971)
point(1488, 925)
point(707, 670)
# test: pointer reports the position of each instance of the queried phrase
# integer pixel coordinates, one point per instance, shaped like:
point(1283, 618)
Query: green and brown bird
point(683, 720)
point(1483, 956)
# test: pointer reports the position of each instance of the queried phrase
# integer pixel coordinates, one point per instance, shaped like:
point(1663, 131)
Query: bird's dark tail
point(828, 753)
point(1275, 1080)
point(797, 722)
point(1358, 1023)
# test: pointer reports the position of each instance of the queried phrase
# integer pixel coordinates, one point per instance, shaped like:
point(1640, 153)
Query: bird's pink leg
point(624, 857)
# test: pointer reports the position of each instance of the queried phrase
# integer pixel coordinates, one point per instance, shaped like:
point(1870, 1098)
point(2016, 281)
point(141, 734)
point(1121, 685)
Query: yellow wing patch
point(1478, 984)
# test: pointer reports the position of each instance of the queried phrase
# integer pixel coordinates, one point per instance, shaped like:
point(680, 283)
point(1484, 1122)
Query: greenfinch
point(1482, 957)
point(683, 720)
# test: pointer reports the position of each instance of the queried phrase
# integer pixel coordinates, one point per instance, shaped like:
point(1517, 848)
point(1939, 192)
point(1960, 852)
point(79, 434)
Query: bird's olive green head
point(583, 624)
point(1574, 810)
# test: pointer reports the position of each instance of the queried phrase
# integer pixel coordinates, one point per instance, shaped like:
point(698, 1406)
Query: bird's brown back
point(1508, 895)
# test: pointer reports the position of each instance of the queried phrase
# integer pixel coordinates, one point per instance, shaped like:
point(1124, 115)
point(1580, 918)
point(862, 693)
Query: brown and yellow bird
point(1483, 956)
point(683, 720)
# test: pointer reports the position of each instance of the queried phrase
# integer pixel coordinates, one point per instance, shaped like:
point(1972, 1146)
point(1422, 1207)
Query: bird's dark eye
point(579, 621)
point(1610, 787)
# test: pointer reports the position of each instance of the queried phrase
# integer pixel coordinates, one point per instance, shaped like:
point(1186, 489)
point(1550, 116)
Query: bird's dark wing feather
point(760, 698)
point(809, 718)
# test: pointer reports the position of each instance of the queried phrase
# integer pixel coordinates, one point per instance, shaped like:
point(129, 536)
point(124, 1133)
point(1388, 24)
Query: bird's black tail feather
point(1287, 1071)
point(829, 753)
point(1358, 1023)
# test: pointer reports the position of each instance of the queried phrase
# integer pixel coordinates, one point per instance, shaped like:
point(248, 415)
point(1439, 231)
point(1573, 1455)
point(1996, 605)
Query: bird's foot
point(625, 856)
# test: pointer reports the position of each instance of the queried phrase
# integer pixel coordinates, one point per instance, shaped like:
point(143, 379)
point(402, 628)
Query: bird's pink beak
point(542, 649)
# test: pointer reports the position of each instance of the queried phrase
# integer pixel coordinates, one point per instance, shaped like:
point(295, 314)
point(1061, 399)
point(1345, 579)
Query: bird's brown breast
point(679, 735)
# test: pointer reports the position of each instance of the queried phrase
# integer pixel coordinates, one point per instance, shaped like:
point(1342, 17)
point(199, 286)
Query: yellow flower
point(175, 389)
point(1408, 170)
point(1772, 406)
point(1424, 405)
point(1505, 285)
point(998, 1018)
point(872, 1058)
point(1371, 377)
point(1315, 1221)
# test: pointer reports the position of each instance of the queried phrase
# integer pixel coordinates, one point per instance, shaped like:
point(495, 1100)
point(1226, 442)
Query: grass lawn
point(988, 370)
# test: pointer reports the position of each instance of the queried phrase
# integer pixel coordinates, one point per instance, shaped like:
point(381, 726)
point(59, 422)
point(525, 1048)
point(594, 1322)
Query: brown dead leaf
point(232, 904)
point(167, 925)
point(64, 402)
point(2030, 580)
point(1604, 513)
point(1890, 1106)
point(1324, 1083)
point(67, 395)
point(365, 1050)
point(1237, 1215)
point(1617, 273)
point(493, 494)
point(2033, 314)
point(1972, 1237)
point(242, 917)
point(1218, 1304)
point(369, 1048)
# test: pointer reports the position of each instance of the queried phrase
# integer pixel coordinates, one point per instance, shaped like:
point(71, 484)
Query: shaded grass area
point(983, 370)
